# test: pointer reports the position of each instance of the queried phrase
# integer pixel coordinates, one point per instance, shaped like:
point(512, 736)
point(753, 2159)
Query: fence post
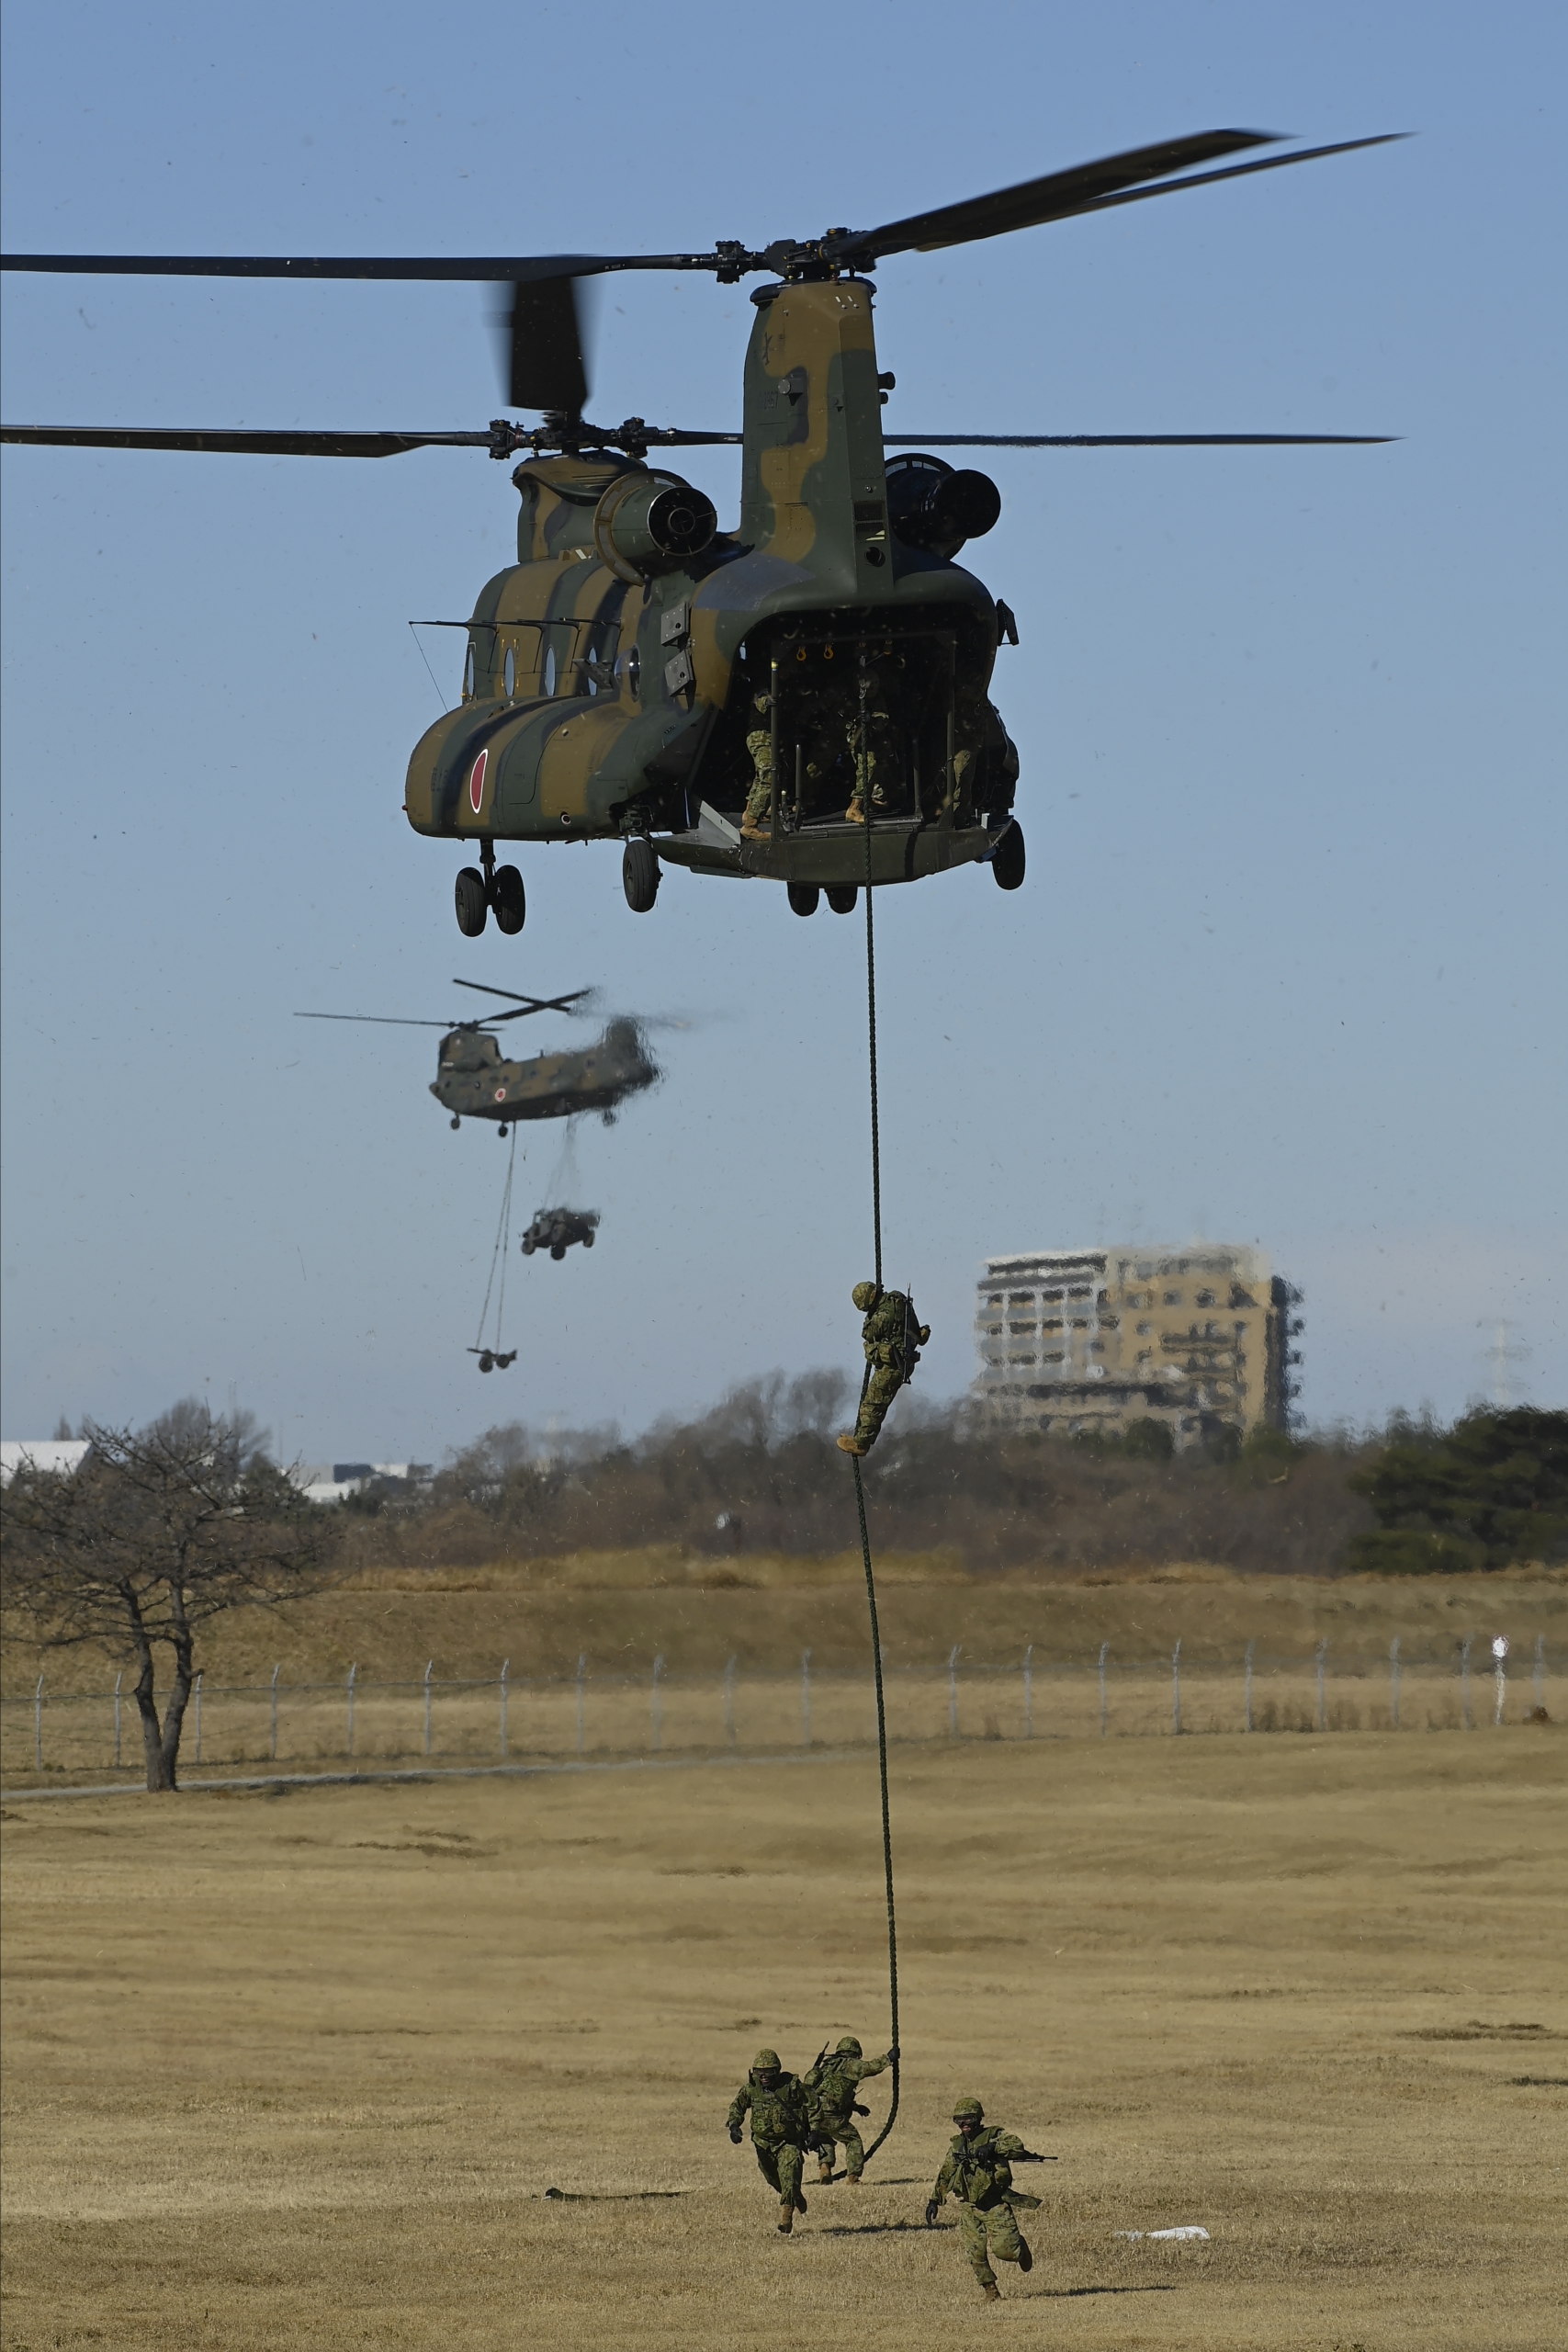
point(429, 1669)
point(119, 1679)
point(1250, 1647)
point(581, 1676)
point(37, 1725)
point(351, 1672)
point(806, 1698)
point(275, 1672)
point(1103, 1647)
point(1541, 1674)
point(1029, 1692)
point(1322, 1693)
point(658, 1701)
point(729, 1703)
point(1176, 1688)
point(506, 1664)
point(1393, 1679)
point(1500, 1674)
point(198, 1717)
point(952, 1692)
point(1465, 1680)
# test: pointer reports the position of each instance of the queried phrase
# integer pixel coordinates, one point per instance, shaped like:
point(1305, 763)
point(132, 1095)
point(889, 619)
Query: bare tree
point(157, 1532)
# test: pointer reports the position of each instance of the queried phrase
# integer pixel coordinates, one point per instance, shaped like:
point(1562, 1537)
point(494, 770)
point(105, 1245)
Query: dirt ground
point(300, 2070)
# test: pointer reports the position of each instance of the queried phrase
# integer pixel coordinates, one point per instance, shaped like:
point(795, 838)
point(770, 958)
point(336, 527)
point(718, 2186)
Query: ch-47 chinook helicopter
point(728, 701)
point(473, 1081)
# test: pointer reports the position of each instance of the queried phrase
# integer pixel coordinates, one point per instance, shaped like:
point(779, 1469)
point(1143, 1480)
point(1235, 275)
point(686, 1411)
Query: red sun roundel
point(501, 1093)
point(477, 781)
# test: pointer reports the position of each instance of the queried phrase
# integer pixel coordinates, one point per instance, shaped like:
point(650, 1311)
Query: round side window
point(511, 672)
point(551, 670)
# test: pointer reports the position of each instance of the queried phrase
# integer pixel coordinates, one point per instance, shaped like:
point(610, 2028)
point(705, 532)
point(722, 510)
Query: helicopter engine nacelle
point(931, 506)
point(649, 522)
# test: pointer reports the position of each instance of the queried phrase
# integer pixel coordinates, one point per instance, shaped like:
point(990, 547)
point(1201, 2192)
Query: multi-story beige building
point(1084, 1340)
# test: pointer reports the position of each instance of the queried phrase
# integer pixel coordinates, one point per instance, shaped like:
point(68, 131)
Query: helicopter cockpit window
point(510, 671)
point(549, 681)
point(469, 674)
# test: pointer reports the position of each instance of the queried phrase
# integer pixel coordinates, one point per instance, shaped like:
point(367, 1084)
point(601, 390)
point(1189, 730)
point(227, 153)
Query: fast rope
point(498, 1256)
point(865, 800)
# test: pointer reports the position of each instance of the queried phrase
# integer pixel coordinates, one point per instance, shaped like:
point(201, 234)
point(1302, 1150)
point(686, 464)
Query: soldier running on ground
point(830, 2086)
point(978, 2174)
point(892, 1340)
point(781, 2130)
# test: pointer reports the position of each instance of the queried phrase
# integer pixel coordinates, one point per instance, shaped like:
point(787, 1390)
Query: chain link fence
point(53, 1737)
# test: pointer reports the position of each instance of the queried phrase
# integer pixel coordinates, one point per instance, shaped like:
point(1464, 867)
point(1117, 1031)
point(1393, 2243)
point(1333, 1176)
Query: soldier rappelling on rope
point(893, 1339)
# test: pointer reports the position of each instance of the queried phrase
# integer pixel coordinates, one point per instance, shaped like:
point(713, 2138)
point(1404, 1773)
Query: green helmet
point(865, 1296)
point(968, 2109)
point(848, 2048)
point(766, 2061)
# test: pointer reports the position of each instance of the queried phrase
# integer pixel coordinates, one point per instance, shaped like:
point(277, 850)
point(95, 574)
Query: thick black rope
point(860, 1487)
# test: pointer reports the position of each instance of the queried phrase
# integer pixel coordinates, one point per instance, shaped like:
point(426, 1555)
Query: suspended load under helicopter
point(806, 699)
point(474, 1080)
point(557, 1230)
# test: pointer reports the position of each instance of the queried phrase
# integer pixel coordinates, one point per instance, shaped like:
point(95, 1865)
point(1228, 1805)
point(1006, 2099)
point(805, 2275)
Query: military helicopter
point(473, 1081)
point(806, 699)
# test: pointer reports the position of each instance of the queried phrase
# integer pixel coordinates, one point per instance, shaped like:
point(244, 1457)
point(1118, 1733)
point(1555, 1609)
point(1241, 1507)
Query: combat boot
point(825, 2169)
point(1025, 2259)
point(991, 2291)
point(854, 814)
point(853, 2179)
point(786, 2219)
point(851, 1443)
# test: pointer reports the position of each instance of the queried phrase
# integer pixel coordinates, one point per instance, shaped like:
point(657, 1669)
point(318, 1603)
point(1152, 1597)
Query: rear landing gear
point(503, 1132)
point(842, 897)
point(1007, 858)
point(803, 897)
point(508, 899)
point(456, 1123)
point(639, 875)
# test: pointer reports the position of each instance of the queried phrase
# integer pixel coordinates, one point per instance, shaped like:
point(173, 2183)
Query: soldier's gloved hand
point(933, 2209)
point(734, 2133)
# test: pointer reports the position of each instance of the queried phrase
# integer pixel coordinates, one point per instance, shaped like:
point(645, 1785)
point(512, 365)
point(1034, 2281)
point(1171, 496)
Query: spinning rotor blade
point(524, 1004)
point(239, 444)
point(1089, 187)
point(546, 354)
point(388, 1020)
point(546, 366)
point(1133, 440)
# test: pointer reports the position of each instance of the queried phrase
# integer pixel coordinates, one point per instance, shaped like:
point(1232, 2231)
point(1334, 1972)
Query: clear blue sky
point(1287, 966)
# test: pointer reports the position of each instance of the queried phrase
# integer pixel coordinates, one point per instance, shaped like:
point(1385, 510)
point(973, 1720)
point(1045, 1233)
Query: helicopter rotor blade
point(390, 1020)
point(1135, 440)
point(239, 444)
point(1087, 188)
point(526, 1004)
point(546, 368)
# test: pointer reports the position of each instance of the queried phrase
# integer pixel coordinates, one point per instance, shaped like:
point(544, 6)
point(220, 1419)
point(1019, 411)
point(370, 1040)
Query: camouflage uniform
point(892, 1340)
point(809, 718)
point(875, 747)
point(978, 2174)
point(780, 2128)
point(831, 2087)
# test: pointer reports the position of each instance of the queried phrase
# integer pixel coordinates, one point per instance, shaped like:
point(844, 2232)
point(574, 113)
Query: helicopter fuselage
point(612, 680)
point(474, 1082)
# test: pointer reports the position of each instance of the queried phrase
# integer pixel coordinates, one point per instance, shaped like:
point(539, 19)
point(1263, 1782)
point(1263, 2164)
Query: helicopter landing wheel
point(503, 1131)
point(1007, 859)
point(842, 897)
point(471, 901)
point(803, 897)
point(509, 900)
point(456, 1123)
point(639, 875)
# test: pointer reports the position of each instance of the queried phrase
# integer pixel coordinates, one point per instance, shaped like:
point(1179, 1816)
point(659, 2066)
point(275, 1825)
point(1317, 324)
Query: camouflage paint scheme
point(473, 1081)
point(605, 699)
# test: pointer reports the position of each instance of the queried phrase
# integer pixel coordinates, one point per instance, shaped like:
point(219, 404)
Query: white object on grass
point(1186, 2230)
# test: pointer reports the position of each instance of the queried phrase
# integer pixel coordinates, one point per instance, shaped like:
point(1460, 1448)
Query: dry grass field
point(298, 2070)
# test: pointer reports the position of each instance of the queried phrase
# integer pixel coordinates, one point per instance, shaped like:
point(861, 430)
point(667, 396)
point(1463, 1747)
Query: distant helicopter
point(806, 699)
point(473, 1081)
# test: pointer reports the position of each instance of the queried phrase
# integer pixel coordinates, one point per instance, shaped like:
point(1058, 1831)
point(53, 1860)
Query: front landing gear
point(497, 886)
